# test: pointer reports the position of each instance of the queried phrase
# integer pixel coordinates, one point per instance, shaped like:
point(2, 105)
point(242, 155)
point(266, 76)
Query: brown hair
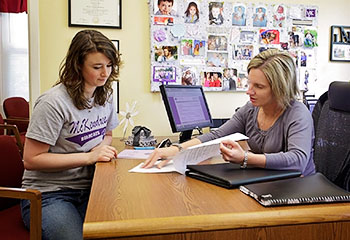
point(192, 4)
point(171, 1)
point(70, 75)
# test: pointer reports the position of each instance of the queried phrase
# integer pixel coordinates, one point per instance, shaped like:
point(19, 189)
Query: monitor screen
point(186, 107)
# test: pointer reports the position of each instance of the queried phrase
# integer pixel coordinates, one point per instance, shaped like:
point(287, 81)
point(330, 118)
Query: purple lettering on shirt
point(86, 124)
point(85, 137)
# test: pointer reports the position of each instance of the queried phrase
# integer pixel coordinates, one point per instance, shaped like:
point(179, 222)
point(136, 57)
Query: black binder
point(315, 188)
point(229, 175)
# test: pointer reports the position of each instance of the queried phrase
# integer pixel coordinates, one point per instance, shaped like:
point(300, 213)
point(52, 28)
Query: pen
point(144, 148)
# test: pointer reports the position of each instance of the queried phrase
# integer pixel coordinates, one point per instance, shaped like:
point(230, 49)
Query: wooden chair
point(7, 129)
point(11, 172)
point(16, 110)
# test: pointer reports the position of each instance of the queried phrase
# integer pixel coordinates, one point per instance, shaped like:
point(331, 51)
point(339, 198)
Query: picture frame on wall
point(116, 83)
point(116, 95)
point(95, 13)
point(116, 44)
point(340, 43)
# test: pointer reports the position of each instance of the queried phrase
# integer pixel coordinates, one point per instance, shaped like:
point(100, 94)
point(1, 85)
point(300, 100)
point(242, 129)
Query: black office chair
point(331, 117)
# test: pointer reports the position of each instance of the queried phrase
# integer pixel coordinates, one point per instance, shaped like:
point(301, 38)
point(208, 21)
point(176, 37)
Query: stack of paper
point(198, 153)
point(134, 154)
point(191, 156)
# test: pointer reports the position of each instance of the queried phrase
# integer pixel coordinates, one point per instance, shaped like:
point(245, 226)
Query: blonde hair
point(279, 69)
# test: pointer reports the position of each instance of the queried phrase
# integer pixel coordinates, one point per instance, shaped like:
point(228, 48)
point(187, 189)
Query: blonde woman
point(279, 127)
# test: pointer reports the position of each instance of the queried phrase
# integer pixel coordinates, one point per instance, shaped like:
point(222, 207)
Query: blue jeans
point(63, 214)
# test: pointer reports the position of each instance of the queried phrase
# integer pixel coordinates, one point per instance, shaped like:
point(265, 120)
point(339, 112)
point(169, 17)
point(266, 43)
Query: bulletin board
point(210, 43)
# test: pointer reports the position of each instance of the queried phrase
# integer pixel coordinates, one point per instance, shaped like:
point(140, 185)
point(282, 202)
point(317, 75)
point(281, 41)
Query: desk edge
point(198, 223)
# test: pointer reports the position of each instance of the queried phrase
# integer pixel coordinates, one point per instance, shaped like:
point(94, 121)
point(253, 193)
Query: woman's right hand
point(166, 153)
point(160, 153)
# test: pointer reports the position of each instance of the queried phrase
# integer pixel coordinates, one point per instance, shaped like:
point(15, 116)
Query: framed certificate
point(95, 13)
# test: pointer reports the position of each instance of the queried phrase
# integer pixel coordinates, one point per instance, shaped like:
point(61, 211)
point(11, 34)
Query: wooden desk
point(127, 205)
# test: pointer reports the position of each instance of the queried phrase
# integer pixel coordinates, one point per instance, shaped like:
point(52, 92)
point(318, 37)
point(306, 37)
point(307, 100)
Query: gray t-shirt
point(57, 122)
point(287, 144)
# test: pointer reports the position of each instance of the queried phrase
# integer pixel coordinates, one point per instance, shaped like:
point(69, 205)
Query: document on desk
point(134, 154)
point(169, 167)
point(191, 156)
point(198, 153)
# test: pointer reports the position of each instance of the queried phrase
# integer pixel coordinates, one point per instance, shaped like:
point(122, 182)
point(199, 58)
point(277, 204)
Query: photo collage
point(210, 43)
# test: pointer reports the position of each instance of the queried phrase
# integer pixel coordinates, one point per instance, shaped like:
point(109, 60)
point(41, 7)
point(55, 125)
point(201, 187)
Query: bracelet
point(178, 146)
point(245, 160)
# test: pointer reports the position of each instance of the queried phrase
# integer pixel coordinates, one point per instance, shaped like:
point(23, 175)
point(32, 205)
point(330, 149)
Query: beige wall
point(55, 35)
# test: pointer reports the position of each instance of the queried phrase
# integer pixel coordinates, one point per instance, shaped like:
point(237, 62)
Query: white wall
point(55, 35)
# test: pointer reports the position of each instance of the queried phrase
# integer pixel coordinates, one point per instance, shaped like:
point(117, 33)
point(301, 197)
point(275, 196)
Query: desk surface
point(124, 204)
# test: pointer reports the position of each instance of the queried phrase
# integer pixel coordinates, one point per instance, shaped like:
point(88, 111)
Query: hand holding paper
point(198, 153)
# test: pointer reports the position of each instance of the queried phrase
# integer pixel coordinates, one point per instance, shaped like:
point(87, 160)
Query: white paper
point(134, 154)
point(169, 167)
point(198, 153)
point(191, 156)
point(232, 137)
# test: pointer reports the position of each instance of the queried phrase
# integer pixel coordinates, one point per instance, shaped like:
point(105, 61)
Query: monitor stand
point(185, 136)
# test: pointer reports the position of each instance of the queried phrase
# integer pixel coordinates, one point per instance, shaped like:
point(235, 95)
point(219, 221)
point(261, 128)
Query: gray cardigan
point(286, 145)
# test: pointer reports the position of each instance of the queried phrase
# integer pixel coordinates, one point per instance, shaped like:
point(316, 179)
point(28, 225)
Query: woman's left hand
point(232, 151)
point(102, 153)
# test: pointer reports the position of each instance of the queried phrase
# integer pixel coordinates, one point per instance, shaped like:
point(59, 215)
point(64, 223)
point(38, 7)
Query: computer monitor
point(187, 109)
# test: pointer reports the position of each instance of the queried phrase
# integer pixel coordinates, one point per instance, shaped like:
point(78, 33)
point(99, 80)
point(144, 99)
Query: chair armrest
point(34, 196)
point(20, 119)
point(14, 129)
point(14, 120)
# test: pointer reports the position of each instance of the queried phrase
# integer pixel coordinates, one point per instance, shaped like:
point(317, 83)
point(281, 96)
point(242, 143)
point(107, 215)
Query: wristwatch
point(245, 160)
point(178, 146)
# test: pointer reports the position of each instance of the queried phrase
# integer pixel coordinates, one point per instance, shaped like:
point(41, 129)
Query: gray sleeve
point(298, 131)
point(235, 125)
point(46, 123)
